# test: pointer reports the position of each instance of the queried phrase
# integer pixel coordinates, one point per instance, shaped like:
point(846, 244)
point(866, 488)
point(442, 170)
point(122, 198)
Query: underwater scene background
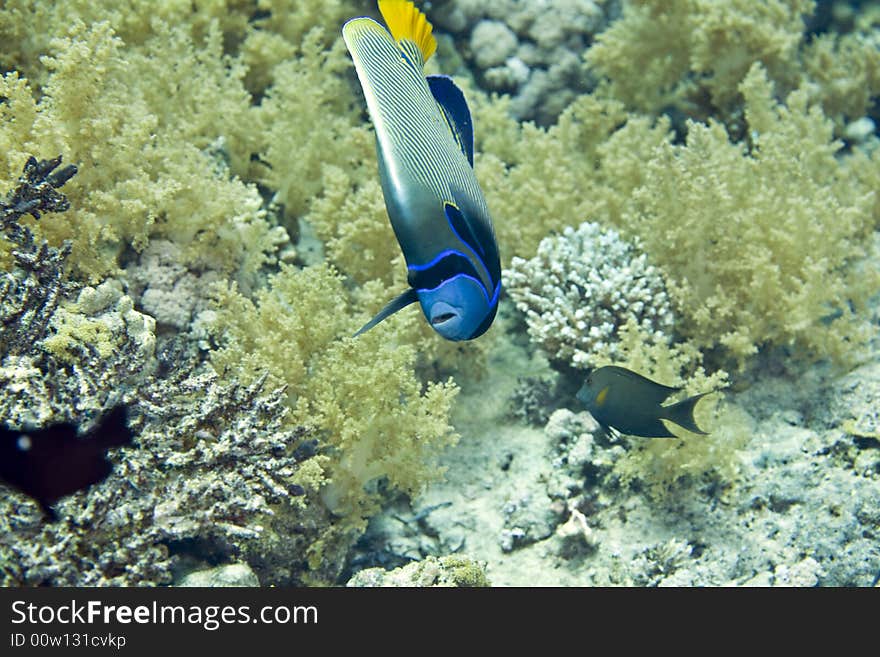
point(685, 188)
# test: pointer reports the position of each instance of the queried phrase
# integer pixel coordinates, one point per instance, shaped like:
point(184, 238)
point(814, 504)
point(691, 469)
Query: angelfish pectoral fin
point(397, 303)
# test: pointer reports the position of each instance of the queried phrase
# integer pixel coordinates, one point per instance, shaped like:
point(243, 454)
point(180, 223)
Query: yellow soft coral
point(761, 241)
point(374, 417)
point(692, 54)
point(682, 47)
point(761, 238)
point(139, 130)
point(311, 121)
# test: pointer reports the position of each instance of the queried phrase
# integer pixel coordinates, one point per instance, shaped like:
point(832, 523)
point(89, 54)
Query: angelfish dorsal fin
point(455, 108)
point(407, 23)
point(397, 303)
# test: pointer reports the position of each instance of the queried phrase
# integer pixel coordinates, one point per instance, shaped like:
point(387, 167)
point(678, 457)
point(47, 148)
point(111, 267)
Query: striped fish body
point(433, 199)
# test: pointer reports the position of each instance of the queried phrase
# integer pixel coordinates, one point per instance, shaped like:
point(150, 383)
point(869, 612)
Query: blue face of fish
point(458, 309)
point(458, 290)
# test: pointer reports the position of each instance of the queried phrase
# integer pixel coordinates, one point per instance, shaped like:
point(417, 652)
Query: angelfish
point(425, 145)
point(631, 403)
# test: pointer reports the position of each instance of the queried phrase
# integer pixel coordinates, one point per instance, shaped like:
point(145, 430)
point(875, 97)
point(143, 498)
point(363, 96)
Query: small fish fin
point(682, 413)
point(462, 227)
point(610, 433)
point(455, 109)
point(407, 23)
point(397, 303)
point(649, 390)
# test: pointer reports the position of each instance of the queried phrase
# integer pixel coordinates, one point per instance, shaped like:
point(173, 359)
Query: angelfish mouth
point(442, 318)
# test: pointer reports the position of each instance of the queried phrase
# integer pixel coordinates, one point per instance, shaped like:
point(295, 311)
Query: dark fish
point(50, 463)
point(630, 403)
point(425, 142)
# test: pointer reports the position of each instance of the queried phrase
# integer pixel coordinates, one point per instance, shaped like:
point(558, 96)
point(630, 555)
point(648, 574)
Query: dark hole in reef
point(697, 549)
point(589, 505)
point(306, 450)
point(260, 14)
point(201, 550)
point(866, 442)
point(592, 475)
point(780, 504)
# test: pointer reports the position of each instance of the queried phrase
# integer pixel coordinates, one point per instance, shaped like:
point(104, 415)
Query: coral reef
point(168, 290)
point(225, 234)
point(581, 287)
point(31, 292)
point(235, 574)
point(206, 480)
point(795, 504)
point(689, 48)
point(189, 129)
point(99, 341)
point(82, 360)
point(144, 171)
point(454, 571)
point(782, 267)
point(376, 420)
point(789, 265)
point(531, 51)
point(696, 52)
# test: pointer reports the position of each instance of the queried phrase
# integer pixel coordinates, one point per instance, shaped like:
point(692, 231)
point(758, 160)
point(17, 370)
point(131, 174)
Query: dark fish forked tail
point(682, 413)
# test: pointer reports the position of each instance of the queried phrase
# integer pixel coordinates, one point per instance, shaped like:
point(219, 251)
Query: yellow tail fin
point(405, 21)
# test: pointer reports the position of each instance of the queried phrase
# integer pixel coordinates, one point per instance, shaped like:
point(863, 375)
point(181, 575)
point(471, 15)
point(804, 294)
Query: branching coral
point(581, 288)
point(373, 416)
point(99, 341)
point(31, 292)
point(216, 474)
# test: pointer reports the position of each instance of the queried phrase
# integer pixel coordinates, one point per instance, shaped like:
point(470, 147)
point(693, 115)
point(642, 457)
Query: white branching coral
point(581, 287)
